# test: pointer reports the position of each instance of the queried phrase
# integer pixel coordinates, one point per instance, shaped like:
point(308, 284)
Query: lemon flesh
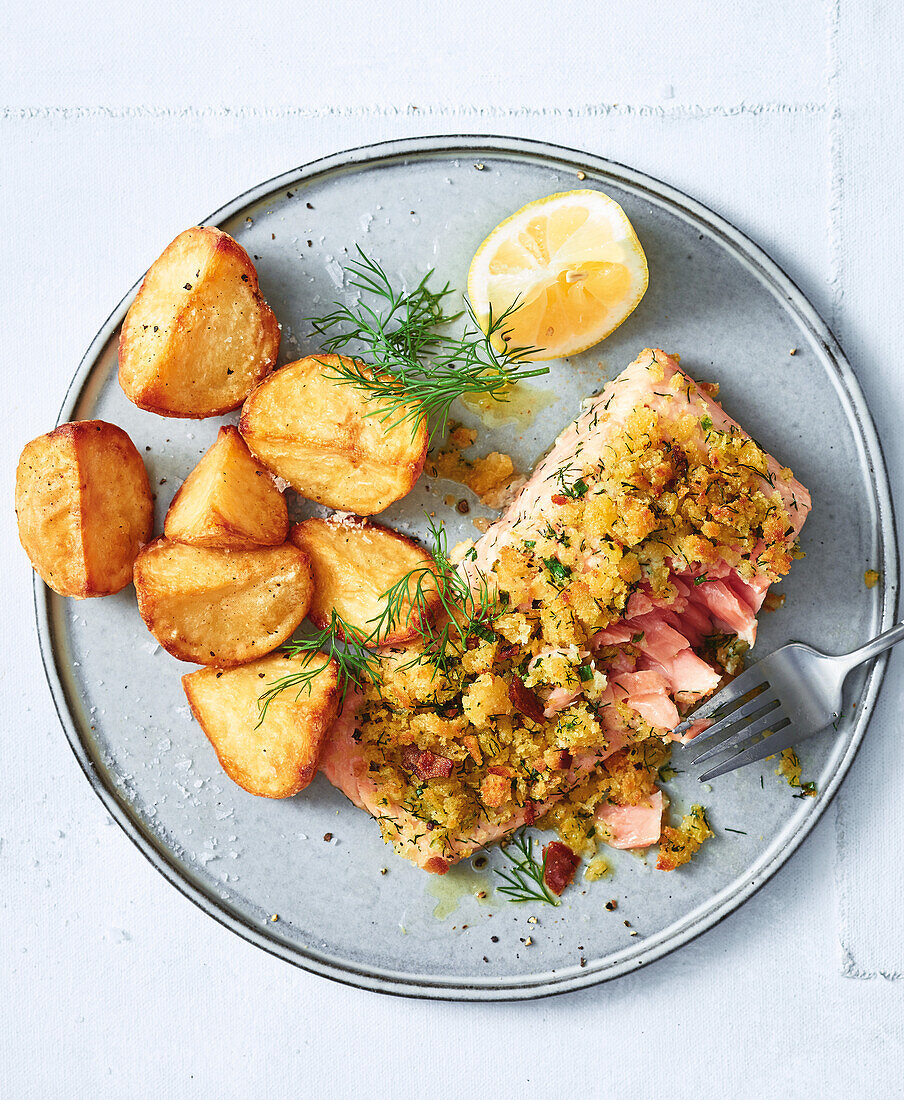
point(572, 263)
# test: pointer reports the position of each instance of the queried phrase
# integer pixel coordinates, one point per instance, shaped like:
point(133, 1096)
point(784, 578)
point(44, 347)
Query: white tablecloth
point(121, 125)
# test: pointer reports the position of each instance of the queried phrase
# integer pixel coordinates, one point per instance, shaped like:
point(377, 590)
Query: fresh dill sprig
point(339, 642)
point(416, 368)
point(435, 591)
point(402, 328)
point(524, 880)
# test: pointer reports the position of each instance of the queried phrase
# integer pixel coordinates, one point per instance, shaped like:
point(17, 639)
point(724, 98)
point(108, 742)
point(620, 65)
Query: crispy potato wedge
point(229, 501)
point(354, 563)
point(221, 607)
point(199, 336)
point(276, 757)
point(315, 434)
point(84, 507)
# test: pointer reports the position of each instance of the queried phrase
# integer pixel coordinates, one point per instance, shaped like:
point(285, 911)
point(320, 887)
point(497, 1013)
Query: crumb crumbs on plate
point(598, 867)
point(491, 477)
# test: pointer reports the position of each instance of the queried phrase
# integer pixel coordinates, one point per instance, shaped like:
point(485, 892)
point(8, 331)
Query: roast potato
point(276, 757)
point(84, 507)
point(199, 336)
point(314, 433)
point(221, 607)
point(229, 501)
point(354, 563)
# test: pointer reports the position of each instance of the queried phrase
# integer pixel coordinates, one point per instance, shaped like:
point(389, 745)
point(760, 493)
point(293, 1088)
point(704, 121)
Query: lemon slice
point(574, 265)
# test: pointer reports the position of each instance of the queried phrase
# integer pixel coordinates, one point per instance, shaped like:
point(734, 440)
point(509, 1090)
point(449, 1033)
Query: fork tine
point(771, 746)
point(749, 679)
point(765, 698)
point(775, 720)
point(740, 735)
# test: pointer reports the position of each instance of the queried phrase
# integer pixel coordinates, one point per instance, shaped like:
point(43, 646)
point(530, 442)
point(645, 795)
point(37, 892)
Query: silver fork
point(791, 694)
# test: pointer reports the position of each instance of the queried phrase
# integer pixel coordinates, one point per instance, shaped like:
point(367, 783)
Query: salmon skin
point(666, 648)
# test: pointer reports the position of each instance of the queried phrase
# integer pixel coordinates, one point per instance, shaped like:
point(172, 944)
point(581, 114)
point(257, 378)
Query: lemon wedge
point(573, 264)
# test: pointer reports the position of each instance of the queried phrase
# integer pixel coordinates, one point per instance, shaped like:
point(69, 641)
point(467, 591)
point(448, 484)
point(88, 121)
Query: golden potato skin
point(199, 336)
point(84, 507)
point(221, 607)
point(315, 433)
point(354, 563)
point(279, 757)
point(229, 501)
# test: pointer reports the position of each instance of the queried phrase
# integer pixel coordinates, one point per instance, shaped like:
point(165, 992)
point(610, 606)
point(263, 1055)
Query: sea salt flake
point(334, 271)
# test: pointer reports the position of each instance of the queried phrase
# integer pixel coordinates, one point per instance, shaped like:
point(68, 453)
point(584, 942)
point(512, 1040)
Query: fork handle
point(875, 647)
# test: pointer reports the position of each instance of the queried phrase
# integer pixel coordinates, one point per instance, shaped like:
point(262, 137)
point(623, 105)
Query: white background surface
point(119, 126)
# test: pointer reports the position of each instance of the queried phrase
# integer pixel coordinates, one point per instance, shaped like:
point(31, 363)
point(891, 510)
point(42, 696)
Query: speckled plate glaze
point(733, 315)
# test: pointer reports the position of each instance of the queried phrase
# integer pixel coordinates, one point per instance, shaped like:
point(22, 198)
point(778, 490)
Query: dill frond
point(416, 366)
point(401, 327)
point(339, 642)
point(524, 878)
point(449, 606)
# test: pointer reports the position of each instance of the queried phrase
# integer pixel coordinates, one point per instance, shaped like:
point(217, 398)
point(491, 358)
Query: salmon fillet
point(657, 655)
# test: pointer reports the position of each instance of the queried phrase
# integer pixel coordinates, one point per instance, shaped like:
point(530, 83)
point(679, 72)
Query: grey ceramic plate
point(733, 315)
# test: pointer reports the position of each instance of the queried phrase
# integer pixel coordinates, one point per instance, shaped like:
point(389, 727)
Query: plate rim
point(693, 924)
